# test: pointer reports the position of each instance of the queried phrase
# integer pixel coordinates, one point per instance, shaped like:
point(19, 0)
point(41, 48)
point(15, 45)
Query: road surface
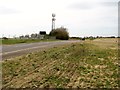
point(9, 51)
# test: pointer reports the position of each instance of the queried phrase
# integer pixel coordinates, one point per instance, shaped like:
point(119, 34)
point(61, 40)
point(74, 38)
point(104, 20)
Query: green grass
point(0, 41)
point(86, 65)
point(18, 41)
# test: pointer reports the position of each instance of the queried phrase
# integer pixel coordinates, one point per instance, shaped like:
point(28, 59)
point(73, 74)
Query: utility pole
point(53, 21)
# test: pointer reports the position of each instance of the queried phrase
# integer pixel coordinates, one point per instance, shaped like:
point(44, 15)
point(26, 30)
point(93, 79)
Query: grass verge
point(18, 41)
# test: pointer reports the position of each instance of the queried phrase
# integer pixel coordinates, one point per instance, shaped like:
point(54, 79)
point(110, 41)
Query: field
point(89, 64)
point(18, 41)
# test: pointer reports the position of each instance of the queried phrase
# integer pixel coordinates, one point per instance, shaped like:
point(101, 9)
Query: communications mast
point(53, 21)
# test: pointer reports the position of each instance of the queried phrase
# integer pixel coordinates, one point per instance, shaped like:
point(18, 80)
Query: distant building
point(42, 34)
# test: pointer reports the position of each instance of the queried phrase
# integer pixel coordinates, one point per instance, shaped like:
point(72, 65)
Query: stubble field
point(89, 64)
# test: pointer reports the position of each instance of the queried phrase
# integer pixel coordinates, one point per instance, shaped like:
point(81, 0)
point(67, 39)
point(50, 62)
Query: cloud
point(91, 5)
point(114, 4)
point(82, 6)
point(5, 10)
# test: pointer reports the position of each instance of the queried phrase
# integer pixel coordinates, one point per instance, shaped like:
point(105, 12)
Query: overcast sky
point(81, 17)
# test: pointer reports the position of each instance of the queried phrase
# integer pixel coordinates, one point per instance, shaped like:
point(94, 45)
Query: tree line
point(58, 33)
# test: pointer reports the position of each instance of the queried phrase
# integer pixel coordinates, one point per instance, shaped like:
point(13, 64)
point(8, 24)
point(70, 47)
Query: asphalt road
point(10, 51)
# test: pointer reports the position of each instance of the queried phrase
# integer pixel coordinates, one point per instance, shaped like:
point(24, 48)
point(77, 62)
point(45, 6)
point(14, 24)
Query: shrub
point(60, 33)
point(83, 39)
point(5, 38)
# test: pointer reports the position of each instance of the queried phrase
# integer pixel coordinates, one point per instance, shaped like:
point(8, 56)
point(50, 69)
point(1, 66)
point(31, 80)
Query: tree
point(27, 36)
point(5, 38)
point(34, 36)
point(60, 33)
point(21, 37)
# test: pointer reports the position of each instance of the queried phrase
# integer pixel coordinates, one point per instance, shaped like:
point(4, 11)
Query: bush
point(83, 39)
point(5, 38)
point(60, 33)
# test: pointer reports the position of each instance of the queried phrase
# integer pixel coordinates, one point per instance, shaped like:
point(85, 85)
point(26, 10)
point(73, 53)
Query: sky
point(80, 17)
